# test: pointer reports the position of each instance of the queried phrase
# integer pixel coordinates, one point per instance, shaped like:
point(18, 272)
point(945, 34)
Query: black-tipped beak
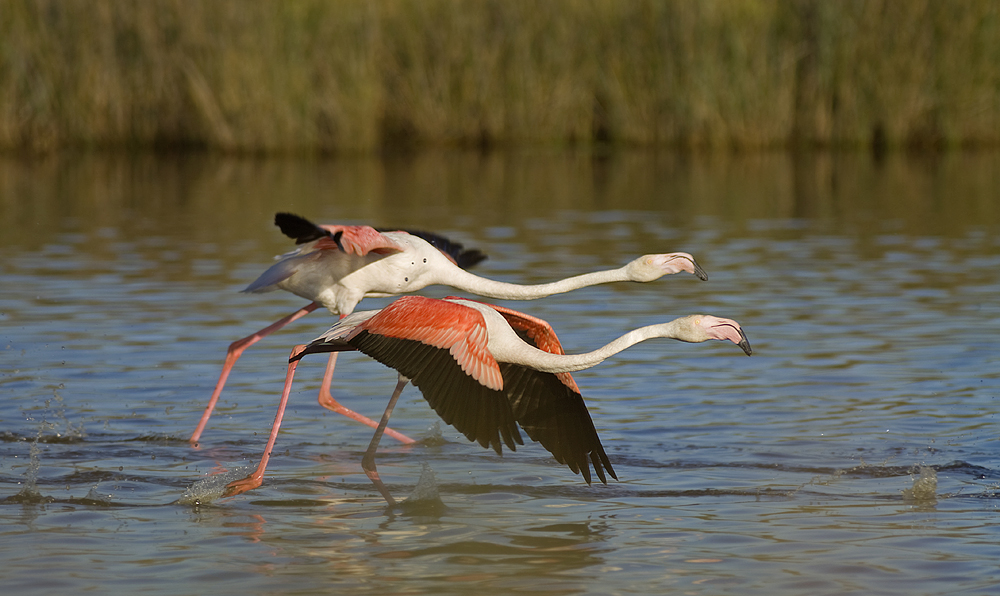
point(745, 344)
point(698, 271)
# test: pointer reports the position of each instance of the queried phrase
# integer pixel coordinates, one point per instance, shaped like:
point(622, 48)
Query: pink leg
point(368, 461)
point(326, 400)
point(257, 478)
point(233, 354)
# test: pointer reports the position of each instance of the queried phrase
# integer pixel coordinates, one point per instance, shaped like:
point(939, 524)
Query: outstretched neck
point(557, 363)
point(481, 286)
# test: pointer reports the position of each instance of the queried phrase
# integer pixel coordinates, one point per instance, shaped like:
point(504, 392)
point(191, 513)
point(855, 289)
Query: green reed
point(354, 75)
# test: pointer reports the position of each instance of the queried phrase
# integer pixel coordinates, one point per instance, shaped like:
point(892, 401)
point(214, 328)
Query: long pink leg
point(368, 461)
point(257, 478)
point(326, 400)
point(233, 354)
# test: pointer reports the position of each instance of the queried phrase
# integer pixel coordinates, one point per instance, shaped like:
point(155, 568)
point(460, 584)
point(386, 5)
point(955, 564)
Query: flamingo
point(337, 266)
point(473, 365)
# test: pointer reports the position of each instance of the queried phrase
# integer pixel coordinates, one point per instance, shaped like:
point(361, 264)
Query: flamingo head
point(705, 327)
point(652, 267)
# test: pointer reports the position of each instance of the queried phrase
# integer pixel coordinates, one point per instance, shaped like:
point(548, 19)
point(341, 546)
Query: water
point(856, 451)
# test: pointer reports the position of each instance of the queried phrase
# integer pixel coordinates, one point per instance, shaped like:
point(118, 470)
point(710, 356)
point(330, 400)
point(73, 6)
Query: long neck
point(481, 286)
point(556, 363)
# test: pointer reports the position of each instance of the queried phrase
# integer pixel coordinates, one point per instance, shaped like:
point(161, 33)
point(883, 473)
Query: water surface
point(856, 451)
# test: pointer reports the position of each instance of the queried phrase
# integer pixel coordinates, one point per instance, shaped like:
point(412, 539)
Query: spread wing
point(556, 416)
point(361, 240)
point(356, 240)
point(548, 406)
point(441, 347)
point(347, 240)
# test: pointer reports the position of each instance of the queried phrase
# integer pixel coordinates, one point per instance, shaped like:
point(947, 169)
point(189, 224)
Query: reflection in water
point(230, 201)
point(855, 452)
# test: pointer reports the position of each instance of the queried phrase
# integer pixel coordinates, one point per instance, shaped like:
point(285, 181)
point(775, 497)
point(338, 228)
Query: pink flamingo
point(472, 364)
point(337, 266)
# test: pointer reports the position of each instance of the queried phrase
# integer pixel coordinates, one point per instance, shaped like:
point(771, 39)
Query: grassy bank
point(352, 75)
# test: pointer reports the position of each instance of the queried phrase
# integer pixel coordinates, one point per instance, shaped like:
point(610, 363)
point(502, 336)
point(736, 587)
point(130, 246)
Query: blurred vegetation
point(360, 76)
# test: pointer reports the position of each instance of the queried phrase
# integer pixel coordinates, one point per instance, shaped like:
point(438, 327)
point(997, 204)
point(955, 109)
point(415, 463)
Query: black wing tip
point(464, 258)
point(298, 228)
point(323, 347)
point(485, 441)
point(602, 466)
point(468, 259)
point(511, 436)
point(283, 219)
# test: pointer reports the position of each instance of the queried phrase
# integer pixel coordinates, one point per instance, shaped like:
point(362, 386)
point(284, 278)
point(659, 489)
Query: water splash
point(47, 432)
point(924, 489)
point(209, 489)
point(425, 498)
point(71, 432)
point(29, 493)
point(433, 436)
point(98, 497)
point(94, 498)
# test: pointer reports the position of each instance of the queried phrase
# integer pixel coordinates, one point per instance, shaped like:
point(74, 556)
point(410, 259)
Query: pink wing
point(540, 333)
point(412, 334)
point(459, 329)
point(358, 240)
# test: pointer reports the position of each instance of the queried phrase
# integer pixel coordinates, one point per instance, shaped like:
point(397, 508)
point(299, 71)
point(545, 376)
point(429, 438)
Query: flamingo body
point(338, 266)
point(453, 351)
point(477, 372)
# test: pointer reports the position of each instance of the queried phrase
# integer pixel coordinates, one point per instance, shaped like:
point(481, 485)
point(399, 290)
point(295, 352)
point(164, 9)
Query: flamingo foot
point(237, 487)
point(326, 400)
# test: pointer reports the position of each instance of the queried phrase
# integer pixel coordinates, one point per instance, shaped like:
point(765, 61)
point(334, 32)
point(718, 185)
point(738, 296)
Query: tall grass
point(353, 75)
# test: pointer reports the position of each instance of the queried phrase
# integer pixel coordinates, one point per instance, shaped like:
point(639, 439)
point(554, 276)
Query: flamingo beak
point(744, 344)
point(727, 330)
point(682, 261)
point(698, 271)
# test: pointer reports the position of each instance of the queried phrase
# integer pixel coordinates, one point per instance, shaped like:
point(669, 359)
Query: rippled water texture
point(856, 451)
